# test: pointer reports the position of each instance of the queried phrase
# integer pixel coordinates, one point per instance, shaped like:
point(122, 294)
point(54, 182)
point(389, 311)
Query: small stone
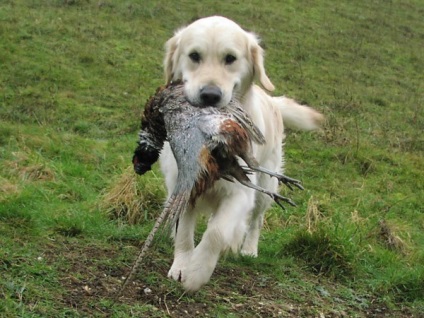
point(87, 289)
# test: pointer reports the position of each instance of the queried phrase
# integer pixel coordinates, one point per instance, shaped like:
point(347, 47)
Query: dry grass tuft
point(356, 218)
point(313, 215)
point(388, 235)
point(37, 172)
point(133, 198)
point(23, 167)
point(7, 189)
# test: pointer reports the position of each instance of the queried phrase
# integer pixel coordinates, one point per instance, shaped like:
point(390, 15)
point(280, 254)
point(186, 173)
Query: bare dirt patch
point(91, 276)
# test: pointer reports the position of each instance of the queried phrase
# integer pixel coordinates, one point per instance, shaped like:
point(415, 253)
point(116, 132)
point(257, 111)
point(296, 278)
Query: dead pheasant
point(206, 143)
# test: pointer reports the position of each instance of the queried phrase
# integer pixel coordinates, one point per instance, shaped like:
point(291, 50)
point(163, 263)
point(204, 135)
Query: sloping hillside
point(74, 76)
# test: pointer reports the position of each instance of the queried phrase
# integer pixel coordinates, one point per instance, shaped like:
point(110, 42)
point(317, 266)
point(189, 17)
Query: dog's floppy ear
point(257, 54)
point(170, 60)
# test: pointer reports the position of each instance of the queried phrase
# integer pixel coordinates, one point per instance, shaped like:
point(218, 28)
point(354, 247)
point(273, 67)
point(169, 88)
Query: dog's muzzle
point(210, 95)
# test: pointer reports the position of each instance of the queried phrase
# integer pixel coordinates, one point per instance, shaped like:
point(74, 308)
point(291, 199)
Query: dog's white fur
point(236, 212)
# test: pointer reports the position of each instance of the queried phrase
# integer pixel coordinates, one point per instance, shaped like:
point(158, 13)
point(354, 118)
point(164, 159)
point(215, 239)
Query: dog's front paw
point(193, 278)
point(179, 266)
point(191, 273)
point(175, 273)
point(198, 271)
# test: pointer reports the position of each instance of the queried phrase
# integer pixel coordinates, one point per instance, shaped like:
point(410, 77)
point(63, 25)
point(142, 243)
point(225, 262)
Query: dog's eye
point(230, 59)
point(195, 57)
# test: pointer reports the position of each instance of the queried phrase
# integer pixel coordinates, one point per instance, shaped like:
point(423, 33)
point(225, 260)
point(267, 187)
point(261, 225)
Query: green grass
point(74, 76)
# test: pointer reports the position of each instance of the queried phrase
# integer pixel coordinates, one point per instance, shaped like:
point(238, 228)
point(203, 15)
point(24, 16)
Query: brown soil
point(92, 276)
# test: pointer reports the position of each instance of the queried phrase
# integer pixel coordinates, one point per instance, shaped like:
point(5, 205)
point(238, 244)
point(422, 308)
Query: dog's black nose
point(210, 95)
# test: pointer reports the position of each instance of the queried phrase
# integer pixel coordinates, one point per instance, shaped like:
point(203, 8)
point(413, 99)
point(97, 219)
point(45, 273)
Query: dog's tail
point(298, 116)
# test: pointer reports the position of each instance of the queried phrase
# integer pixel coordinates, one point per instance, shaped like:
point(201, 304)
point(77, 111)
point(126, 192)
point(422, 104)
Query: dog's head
point(217, 61)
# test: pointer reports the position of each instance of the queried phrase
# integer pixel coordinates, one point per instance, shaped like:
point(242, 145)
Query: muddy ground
point(92, 276)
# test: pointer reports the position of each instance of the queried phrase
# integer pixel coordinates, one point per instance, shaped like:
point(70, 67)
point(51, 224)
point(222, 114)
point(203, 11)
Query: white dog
point(217, 61)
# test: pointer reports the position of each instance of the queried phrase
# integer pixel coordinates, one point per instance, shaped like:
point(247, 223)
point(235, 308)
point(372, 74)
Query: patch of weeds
point(409, 286)
point(387, 234)
point(365, 166)
point(129, 234)
point(86, 59)
point(70, 230)
point(16, 214)
point(322, 253)
point(82, 127)
point(5, 134)
point(5, 264)
point(15, 290)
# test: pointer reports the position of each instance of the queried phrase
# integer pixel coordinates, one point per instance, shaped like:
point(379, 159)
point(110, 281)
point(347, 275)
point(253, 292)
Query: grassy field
point(74, 76)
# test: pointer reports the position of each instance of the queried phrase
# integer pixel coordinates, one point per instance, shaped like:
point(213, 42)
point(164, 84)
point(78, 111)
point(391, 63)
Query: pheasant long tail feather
point(176, 206)
point(163, 216)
